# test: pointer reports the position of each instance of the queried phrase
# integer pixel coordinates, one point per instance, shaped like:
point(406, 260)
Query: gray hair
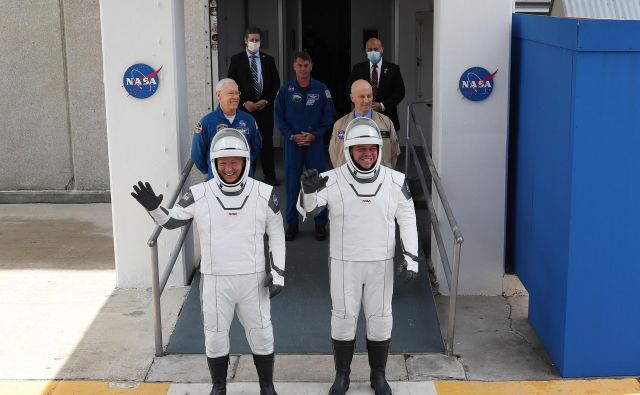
point(222, 83)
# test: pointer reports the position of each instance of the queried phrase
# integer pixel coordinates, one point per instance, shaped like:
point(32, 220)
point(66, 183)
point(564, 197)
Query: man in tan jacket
point(362, 99)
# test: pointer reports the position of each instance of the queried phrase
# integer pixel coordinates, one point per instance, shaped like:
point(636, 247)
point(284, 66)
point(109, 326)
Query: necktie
point(374, 80)
point(254, 77)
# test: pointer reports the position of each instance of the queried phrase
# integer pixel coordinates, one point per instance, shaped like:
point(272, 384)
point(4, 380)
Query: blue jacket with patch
point(209, 126)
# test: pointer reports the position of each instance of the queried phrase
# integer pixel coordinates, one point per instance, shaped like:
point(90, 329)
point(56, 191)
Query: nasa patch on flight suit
point(221, 126)
point(311, 98)
point(296, 98)
point(198, 128)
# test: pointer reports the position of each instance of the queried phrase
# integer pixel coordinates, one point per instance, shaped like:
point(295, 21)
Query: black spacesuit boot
point(218, 369)
point(264, 367)
point(342, 356)
point(378, 352)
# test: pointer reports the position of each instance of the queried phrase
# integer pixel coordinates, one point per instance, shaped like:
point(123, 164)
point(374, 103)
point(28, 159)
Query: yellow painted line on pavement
point(558, 387)
point(41, 387)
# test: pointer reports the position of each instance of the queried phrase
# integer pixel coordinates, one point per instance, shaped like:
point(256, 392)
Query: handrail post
point(152, 242)
point(453, 294)
point(155, 295)
point(452, 273)
point(407, 142)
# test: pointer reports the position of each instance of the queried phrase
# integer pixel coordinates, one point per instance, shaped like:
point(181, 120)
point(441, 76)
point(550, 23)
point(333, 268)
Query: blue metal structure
point(576, 97)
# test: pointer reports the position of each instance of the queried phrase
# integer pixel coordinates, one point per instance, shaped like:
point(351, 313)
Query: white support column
point(470, 138)
point(148, 138)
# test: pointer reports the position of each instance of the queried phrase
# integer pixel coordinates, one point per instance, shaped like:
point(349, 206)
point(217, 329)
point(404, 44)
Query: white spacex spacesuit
point(232, 219)
point(363, 207)
point(362, 215)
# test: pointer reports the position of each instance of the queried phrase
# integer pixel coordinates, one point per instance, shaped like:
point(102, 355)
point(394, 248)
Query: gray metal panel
point(627, 9)
point(590, 9)
point(597, 9)
point(532, 6)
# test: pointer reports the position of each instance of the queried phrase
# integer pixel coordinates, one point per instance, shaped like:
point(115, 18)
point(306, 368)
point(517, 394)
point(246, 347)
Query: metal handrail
point(158, 284)
point(451, 274)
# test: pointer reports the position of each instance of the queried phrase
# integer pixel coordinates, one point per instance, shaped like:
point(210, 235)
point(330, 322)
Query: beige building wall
point(53, 139)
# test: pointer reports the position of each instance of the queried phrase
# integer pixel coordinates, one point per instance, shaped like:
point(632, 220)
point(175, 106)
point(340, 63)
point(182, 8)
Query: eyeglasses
point(233, 93)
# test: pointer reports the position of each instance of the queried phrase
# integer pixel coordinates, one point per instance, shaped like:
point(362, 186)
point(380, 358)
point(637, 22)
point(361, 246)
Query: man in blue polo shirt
point(226, 115)
point(303, 112)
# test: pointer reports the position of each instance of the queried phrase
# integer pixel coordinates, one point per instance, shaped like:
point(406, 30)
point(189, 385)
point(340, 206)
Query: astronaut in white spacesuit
point(233, 213)
point(364, 200)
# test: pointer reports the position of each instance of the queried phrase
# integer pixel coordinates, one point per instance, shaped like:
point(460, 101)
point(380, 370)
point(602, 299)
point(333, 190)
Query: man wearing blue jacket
point(225, 116)
point(303, 112)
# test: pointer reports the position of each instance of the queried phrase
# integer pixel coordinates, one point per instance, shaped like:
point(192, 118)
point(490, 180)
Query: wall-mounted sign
point(141, 81)
point(476, 83)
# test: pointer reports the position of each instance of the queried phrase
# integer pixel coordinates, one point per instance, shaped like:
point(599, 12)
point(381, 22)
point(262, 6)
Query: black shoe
point(342, 356)
point(218, 370)
point(264, 367)
point(274, 182)
point(321, 234)
point(291, 232)
point(378, 353)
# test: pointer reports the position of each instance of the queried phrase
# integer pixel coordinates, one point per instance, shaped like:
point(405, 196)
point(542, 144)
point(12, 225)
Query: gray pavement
point(64, 319)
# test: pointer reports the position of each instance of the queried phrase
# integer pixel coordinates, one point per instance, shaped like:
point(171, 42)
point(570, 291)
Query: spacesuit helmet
point(362, 131)
point(230, 142)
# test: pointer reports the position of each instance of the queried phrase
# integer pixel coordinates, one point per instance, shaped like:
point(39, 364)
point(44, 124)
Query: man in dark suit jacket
point(389, 91)
point(257, 77)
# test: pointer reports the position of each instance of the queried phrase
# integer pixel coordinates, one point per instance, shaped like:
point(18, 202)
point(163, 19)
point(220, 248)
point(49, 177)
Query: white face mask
point(253, 46)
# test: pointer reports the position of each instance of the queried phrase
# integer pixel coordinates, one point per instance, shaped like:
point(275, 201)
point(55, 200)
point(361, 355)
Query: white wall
point(146, 138)
point(470, 138)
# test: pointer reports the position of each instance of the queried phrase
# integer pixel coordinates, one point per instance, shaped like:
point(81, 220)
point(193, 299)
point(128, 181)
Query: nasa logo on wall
point(141, 81)
point(476, 83)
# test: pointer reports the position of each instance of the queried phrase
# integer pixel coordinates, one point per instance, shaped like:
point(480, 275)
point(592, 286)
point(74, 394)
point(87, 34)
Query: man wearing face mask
point(257, 77)
point(385, 79)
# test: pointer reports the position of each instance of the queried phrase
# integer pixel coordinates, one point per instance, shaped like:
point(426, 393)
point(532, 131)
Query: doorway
point(326, 36)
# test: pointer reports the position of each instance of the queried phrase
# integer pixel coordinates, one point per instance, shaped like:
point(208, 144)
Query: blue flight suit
point(209, 126)
point(311, 111)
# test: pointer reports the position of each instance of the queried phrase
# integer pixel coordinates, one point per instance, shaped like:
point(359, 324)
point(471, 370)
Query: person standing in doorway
point(227, 115)
point(385, 79)
point(303, 112)
point(257, 77)
point(362, 99)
